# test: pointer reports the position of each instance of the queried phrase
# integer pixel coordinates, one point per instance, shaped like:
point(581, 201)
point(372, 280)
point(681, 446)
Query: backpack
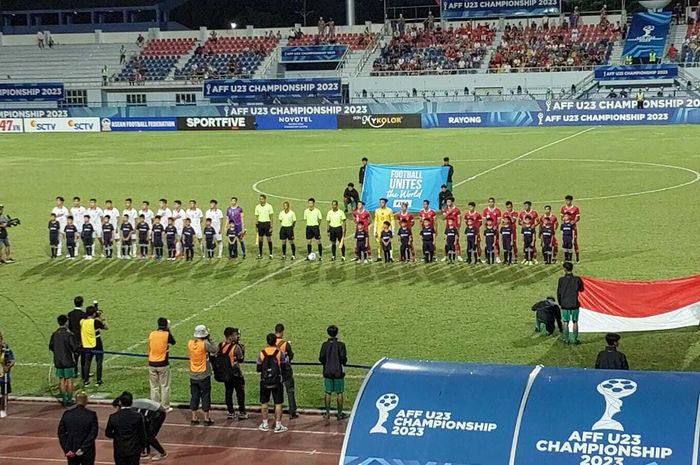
point(270, 372)
point(222, 367)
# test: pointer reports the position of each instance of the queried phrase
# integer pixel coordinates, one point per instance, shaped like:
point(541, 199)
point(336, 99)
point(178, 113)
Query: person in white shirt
point(78, 212)
point(61, 212)
point(40, 39)
point(147, 213)
point(131, 213)
point(195, 215)
point(164, 212)
point(113, 214)
point(179, 216)
point(216, 216)
point(96, 215)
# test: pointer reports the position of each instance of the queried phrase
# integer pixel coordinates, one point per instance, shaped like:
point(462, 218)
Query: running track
point(28, 437)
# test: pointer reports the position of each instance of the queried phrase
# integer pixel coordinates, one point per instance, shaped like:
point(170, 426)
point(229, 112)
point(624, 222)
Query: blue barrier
point(419, 413)
point(635, 72)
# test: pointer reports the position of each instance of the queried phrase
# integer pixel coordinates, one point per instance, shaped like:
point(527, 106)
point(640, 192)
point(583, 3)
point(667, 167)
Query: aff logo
point(647, 37)
point(613, 391)
point(8, 125)
point(399, 202)
point(42, 126)
point(77, 126)
point(385, 404)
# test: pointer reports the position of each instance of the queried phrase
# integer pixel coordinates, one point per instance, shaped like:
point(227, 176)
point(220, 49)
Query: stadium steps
point(352, 62)
point(71, 64)
point(676, 36)
point(497, 39)
point(364, 69)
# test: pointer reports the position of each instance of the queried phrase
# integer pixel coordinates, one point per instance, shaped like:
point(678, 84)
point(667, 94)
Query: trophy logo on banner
point(613, 391)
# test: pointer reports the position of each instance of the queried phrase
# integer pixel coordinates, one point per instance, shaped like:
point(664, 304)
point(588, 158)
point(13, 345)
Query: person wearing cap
point(4, 240)
point(200, 349)
point(77, 432)
point(611, 358)
point(159, 341)
point(350, 197)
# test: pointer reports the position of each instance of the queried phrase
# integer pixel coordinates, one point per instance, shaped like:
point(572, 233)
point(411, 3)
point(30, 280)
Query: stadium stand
point(353, 41)
point(555, 48)
point(156, 61)
point(423, 49)
point(227, 57)
point(690, 52)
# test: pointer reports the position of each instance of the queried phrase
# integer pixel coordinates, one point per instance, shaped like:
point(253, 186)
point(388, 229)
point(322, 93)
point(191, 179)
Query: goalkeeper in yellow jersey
point(382, 214)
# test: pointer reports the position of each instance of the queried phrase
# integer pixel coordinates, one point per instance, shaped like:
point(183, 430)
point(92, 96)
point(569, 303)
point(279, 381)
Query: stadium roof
point(48, 5)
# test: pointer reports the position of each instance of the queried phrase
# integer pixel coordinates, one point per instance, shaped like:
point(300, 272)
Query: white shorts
point(217, 236)
point(197, 232)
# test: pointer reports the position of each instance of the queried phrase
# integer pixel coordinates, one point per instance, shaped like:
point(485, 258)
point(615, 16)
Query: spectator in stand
point(430, 21)
point(604, 15)
point(333, 357)
point(140, 41)
point(672, 53)
point(213, 37)
point(40, 39)
point(105, 75)
point(122, 54)
point(331, 28)
point(200, 349)
point(574, 18)
point(401, 24)
point(48, 39)
point(77, 432)
point(321, 27)
point(159, 342)
point(611, 358)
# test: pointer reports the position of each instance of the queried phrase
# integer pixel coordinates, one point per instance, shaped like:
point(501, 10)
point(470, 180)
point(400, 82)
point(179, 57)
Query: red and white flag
point(619, 306)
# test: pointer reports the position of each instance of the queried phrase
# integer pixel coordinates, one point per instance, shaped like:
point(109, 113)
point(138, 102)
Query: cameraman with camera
point(6, 222)
point(92, 342)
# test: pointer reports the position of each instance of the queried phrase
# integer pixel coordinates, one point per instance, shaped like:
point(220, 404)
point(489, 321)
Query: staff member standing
point(450, 172)
point(159, 342)
point(263, 222)
point(4, 240)
point(199, 349)
point(611, 358)
point(568, 290)
point(7, 361)
point(77, 432)
point(127, 430)
point(91, 340)
point(287, 373)
point(333, 357)
point(75, 316)
point(363, 169)
point(63, 346)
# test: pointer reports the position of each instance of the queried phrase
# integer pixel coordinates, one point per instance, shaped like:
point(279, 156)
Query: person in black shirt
point(427, 234)
point(171, 238)
point(157, 233)
point(333, 357)
point(209, 238)
point(75, 316)
point(351, 197)
point(507, 241)
point(126, 232)
point(547, 312)
point(568, 234)
point(490, 238)
point(107, 236)
point(473, 241)
point(77, 432)
point(406, 239)
point(451, 240)
point(361, 244)
point(528, 233)
point(71, 233)
point(144, 232)
point(444, 194)
point(611, 358)
point(232, 236)
point(54, 235)
point(128, 431)
point(188, 235)
point(386, 235)
point(87, 235)
point(363, 168)
point(547, 236)
point(568, 289)
point(450, 173)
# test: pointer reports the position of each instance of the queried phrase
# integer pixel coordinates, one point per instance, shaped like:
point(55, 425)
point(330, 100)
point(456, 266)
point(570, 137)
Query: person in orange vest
point(200, 349)
point(287, 374)
point(271, 364)
point(159, 341)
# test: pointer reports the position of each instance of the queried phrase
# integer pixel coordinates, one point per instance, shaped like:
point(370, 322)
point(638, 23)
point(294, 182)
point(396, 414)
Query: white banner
point(62, 125)
point(11, 125)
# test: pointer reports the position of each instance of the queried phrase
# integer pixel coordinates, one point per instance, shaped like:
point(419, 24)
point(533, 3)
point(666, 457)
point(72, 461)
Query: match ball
point(312, 256)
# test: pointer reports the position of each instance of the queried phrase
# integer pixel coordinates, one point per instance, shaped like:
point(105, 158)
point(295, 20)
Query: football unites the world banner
point(402, 184)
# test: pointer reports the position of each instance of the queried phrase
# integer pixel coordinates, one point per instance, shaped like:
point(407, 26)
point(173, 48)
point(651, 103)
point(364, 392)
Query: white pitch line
point(209, 308)
point(520, 157)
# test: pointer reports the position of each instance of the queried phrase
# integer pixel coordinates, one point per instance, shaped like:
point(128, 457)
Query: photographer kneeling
point(6, 222)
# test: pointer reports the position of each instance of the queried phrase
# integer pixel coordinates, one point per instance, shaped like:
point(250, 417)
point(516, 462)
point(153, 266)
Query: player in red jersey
point(512, 215)
point(451, 212)
point(534, 218)
point(405, 215)
point(427, 214)
point(362, 217)
point(493, 212)
point(476, 219)
point(575, 216)
point(553, 221)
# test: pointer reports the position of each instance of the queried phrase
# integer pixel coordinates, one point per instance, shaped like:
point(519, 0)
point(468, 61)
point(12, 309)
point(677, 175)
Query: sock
point(320, 250)
point(333, 249)
point(573, 336)
point(221, 248)
point(260, 247)
point(269, 246)
point(565, 333)
point(284, 249)
point(243, 248)
point(328, 408)
point(308, 249)
point(342, 250)
point(294, 249)
point(264, 422)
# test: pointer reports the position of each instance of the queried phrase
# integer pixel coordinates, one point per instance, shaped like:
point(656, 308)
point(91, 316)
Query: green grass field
point(635, 186)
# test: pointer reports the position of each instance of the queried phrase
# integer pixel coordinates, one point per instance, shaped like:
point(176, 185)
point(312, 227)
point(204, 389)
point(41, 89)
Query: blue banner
point(297, 122)
point(262, 88)
point(398, 184)
point(313, 53)
point(31, 92)
point(647, 33)
point(138, 124)
point(588, 417)
point(635, 72)
point(455, 9)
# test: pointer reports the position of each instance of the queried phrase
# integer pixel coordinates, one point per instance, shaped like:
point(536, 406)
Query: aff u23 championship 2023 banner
point(399, 184)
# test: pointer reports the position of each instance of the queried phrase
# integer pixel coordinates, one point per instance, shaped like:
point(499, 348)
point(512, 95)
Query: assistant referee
point(336, 229)
point(263, 223)
point(313, 218)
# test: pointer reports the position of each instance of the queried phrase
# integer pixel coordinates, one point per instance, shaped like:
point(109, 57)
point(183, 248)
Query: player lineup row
point(176, 231)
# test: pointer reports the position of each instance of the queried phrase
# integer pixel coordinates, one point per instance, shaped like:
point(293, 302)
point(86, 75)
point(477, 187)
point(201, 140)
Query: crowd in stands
point(690, 51)
point(327, 36)
point(432, 48)
point(553, 48)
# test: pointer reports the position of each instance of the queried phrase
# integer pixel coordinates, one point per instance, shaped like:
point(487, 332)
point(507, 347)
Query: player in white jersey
point(78, 212)
point(132, 214)
point(195, 215)
point(217, 217)
point(96, 215)
point(179, 216)
point(164, 212)
point(61, 212)
point(147, 213)
point(113, 214)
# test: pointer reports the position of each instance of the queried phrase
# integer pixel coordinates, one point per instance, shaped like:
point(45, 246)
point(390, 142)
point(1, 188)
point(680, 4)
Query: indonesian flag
point(619, 306)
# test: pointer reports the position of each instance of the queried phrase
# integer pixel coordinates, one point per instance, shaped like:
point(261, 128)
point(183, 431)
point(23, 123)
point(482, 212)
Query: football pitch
point(637, 189)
